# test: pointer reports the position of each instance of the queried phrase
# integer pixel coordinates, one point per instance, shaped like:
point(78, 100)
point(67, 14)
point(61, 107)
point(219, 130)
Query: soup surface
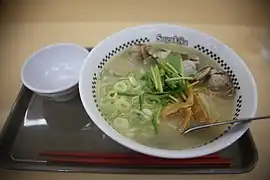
point(151, 93)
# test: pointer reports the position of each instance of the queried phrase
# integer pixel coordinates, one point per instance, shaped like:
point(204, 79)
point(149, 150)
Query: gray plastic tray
point(36, 124)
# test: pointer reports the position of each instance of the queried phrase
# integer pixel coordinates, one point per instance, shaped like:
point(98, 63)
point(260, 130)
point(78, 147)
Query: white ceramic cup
point(53, 71)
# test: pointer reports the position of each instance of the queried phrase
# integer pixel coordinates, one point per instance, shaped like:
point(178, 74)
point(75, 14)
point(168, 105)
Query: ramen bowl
point(244, 103)
point(53, 71)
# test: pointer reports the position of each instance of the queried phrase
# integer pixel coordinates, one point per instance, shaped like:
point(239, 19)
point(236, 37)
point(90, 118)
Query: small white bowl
point(54, 71)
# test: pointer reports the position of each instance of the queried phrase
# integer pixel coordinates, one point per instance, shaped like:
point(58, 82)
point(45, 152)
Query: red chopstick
point(109, 155)
point(129, 159)
point(142, 161)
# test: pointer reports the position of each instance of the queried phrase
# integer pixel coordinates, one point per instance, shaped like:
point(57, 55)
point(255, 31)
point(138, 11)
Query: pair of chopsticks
point(129, 159)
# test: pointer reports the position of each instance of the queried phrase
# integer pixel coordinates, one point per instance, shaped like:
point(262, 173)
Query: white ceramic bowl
point(54, 71)
point(246, 95)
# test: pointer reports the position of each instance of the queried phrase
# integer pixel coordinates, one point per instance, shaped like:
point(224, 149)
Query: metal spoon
point(242, 120)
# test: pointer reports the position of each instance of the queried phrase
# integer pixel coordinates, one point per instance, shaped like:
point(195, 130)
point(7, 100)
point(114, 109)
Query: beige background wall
point(27, 25)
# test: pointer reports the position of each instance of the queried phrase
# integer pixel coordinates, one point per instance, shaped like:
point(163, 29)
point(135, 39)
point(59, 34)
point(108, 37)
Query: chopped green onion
point(157, 93)
point(181, 66)
point(154, 99)
point(184, 97)
point(154, 123)
point(135, 100)
point(148, 112)
point(193, 84)
point(141, 100)
point(145, 116)
point(171, 67)
point(159, 96)
point(122, 104)
point(155, 120)
point(127, 94)
point(182, 69)
point(133, 81)
point(157, 78)
point(173, 98)
point(160, 86)
point(178, 78)
point(112, 95)
point(162, 71)
point(154, 78)
point(158, 114)
point(167, 69)
point(136, 89)
point(120, 87)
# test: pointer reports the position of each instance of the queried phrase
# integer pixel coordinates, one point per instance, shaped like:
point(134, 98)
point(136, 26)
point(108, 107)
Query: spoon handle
point(242, 120)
